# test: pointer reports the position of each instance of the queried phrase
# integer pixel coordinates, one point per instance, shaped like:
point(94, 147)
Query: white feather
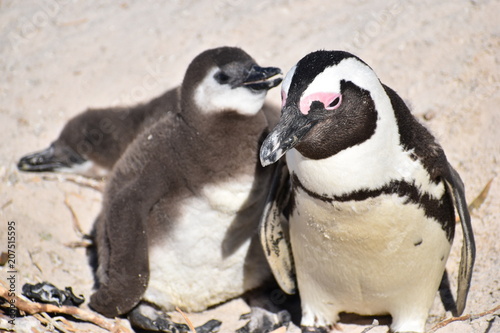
point(362, 259)
point(87, 168)
point(287, 80)
point(211, 96)
point(188, 269)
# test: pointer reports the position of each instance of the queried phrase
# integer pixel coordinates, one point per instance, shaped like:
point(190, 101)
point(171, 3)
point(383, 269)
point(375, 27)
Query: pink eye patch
point(331, 101)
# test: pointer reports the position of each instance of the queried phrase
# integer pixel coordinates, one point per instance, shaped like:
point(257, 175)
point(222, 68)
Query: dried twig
point(76, 244)
point(479, 200)
point(114, 326)
point(188, 322)
point(5, 205)
point(464, 317)
point(76, 222)
point(94, 184)
point(67, 324)
point(45, 319)
point(34, 263)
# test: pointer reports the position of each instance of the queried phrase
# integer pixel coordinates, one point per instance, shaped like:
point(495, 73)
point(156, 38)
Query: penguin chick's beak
point(48, 160)
point(258, 78)
point(292, 127)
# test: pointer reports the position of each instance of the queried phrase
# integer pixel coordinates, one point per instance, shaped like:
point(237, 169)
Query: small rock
point(429, 115)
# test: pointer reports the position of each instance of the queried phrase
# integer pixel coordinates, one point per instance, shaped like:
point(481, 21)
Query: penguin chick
point(179, 221)
point(92, 141)
point(369, 203)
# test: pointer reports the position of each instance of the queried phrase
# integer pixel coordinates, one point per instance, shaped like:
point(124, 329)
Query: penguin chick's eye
point(221, 77)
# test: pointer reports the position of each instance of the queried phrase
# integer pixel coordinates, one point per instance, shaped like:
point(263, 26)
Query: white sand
point(58, 58)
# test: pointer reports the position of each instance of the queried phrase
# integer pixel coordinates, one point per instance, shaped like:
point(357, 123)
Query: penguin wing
point(274, 231)
point(122, 252)
point(456, 188)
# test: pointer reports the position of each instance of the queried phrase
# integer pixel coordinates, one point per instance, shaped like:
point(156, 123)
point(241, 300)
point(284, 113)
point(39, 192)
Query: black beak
point(49, 160)
point(258, 78)
point(292, 127)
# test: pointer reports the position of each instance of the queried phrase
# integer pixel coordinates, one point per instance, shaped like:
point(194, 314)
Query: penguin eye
point(221, 77)
point(320, 101)
point(335, 103)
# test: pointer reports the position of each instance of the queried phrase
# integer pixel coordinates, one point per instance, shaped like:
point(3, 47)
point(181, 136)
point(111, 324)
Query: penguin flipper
point(456, 188)
point(274, 232)
point(124, 257)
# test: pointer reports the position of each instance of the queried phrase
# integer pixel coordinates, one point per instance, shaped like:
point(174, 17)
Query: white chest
point(192, 267)
point(372, 257)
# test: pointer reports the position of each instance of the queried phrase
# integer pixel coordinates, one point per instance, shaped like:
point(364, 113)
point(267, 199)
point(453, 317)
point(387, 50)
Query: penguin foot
point(263, 321)
point(146, 317)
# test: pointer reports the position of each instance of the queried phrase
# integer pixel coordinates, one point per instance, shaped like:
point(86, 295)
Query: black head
point(328, 104)
point(227, 78)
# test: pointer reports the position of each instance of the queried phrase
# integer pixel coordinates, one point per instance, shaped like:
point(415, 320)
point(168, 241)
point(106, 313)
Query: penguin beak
point(292, 127)
point(49, 159)
point(258, 78)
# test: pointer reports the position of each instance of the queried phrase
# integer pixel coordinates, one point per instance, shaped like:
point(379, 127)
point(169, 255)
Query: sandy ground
point(58, 58)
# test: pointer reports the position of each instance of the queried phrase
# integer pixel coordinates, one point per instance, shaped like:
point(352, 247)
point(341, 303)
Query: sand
point(58, 58)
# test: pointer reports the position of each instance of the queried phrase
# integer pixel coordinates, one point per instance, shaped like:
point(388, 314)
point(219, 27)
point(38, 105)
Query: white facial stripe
point(211, 96)
point(353, 70)
point(350, 69)
point(87, 168)
point(285, 85)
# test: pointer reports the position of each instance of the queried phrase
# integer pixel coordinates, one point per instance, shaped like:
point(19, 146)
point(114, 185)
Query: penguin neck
point(228, 123)
point(217, 118)
point(227, 137)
